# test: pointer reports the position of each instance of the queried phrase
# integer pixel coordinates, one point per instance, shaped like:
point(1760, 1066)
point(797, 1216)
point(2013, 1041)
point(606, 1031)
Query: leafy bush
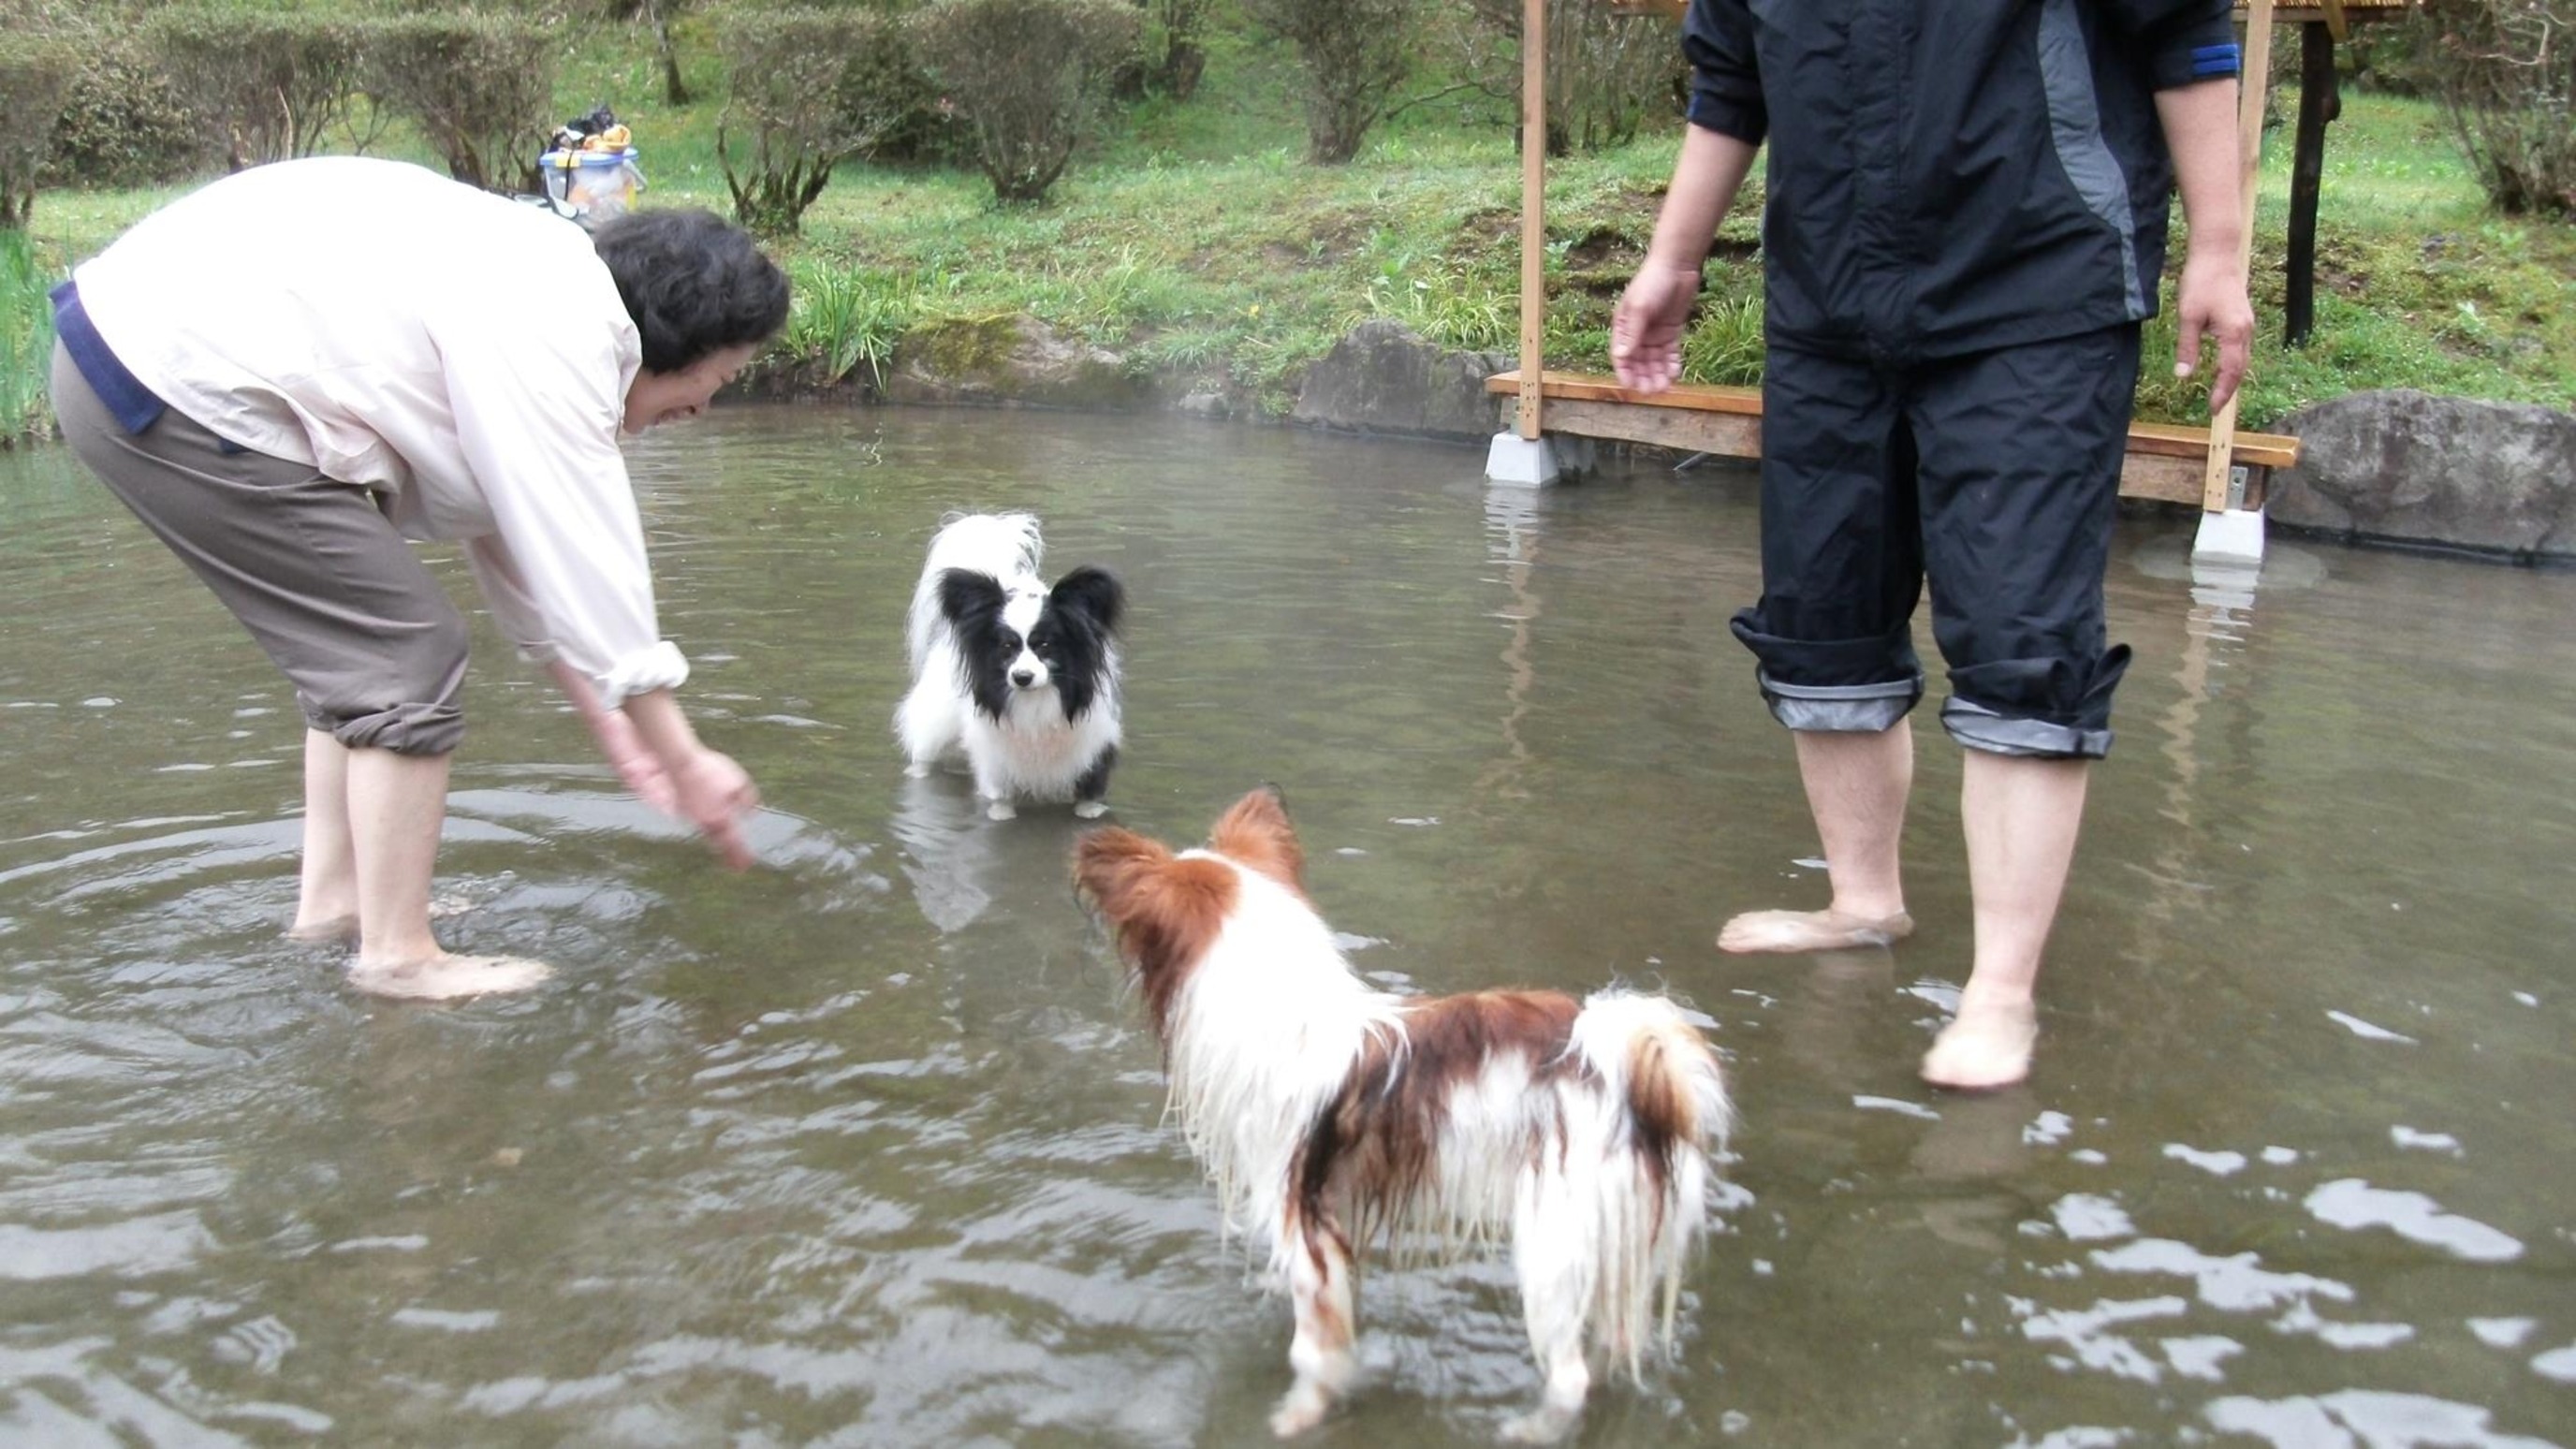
point(35, 74)
point(1029, 75)
point(2506, 72)
point(1607, 71)
point(1355, 53)
point(125, 122)
point(811, 89)
point(270, 83)
point(479, 87)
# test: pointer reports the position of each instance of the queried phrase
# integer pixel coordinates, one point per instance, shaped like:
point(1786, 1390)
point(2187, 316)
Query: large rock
point(2411, 466)
point(1384, 379)
point(1011, 360)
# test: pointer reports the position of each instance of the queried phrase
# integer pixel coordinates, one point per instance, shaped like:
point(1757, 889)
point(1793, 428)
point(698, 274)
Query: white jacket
point(464, 356)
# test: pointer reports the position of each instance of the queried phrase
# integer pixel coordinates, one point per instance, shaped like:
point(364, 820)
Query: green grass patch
point(26, 338)
point(1191, 237)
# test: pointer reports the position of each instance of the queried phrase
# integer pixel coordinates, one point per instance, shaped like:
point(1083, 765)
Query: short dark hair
point(694, 283)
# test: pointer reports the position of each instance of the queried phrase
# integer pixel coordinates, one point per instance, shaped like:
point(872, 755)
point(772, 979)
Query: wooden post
point(2318, 104)
point(1533, 210)
point(2257, 63)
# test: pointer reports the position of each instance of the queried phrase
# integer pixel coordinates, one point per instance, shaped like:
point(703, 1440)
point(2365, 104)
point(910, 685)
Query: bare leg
point(1327, 1325)
point(2021, 817)
point(1856, 788)
point(396, 805)
point(326, 904)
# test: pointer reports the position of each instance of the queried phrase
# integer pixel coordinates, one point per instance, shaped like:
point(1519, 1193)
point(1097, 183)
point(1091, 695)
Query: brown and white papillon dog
point(1334, 1117)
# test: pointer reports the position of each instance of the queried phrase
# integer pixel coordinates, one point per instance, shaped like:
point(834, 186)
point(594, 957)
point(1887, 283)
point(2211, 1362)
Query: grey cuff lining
point(1866, 709)
point(1980, 728)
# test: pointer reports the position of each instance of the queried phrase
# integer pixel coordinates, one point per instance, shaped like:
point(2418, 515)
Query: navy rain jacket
point(1950, 176)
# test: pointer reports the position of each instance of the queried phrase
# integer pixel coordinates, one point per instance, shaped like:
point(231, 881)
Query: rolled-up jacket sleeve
point(1726, 83)
point(2185, 42)
point(537, 417)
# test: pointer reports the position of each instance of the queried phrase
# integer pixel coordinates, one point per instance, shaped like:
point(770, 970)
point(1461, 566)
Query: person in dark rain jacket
point(1963, 231)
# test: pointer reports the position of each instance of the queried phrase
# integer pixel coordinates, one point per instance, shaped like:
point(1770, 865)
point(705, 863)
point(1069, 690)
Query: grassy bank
point(1194, 239)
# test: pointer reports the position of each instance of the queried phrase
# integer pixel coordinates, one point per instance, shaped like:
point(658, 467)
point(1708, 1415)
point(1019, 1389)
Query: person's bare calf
point(1856, 785)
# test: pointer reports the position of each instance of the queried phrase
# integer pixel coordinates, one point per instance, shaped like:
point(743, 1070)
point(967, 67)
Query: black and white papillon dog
point(1019, 677)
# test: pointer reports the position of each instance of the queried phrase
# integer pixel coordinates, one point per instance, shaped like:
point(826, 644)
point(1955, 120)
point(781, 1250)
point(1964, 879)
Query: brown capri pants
point(309, 564)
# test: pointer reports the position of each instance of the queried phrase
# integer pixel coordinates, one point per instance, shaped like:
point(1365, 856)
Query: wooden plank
point(2163, 440)
point(2178, 440)
point(1730, 435)
point(2170, 477)
point(1683, 397)
point(1533, 210)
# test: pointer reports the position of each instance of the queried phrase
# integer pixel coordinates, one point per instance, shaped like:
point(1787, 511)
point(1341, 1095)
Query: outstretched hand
point(1646, 329)
point(2211, 305)
point(635, 763)
point(717, 796)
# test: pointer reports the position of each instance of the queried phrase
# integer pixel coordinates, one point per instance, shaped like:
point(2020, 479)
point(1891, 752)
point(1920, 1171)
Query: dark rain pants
point(1998, 475)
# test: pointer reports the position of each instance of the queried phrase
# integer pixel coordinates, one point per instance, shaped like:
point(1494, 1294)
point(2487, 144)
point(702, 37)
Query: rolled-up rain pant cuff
point(2036, 708)
point(1834, 686)
point(1840, 708)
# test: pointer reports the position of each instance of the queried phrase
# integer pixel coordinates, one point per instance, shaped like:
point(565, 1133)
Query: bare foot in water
point(1811, 931)
point(325, 928)
point(446, 978)
point(1984, 1047)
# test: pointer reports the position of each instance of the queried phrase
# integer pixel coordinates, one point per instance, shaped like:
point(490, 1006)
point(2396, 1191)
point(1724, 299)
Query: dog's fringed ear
point(972, 601)
point(1093, 593)
point(1256, 835)
point(1164, 911)
point(1111, 866)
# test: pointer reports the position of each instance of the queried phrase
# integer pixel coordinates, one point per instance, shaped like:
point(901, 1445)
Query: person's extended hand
point(716, 795)
point(2212, 304)
point(635, 764)
point(1646, 330)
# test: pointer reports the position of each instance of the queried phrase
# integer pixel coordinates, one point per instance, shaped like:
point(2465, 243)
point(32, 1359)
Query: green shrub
point(125, 122)
point(2506, 72)
point(1607, 71)
point(479, 87)
point(1029, 75)
point(810, 89)
point(35, 74)
point(1355, 53)
point(268, 83)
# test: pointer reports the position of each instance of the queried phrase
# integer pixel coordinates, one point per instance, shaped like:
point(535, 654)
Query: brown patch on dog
point(1164, 912)
point(1371, 1152)
point(1257, 835)
point(1662, 1115)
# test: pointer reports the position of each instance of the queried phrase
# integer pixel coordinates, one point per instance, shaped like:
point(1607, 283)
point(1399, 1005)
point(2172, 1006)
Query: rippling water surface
point(862, 1148)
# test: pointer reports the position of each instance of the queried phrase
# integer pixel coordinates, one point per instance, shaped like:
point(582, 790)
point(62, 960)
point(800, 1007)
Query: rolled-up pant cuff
point(1979, 728)
point(1840, 708)
point(2044, 708)
point(435, 728)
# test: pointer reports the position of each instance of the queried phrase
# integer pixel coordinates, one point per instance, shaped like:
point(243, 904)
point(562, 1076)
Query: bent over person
point(1964, 230)
point(290, 372)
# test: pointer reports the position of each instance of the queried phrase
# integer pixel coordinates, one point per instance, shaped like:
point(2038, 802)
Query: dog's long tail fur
point(1671, 1112)
point(996, 544)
